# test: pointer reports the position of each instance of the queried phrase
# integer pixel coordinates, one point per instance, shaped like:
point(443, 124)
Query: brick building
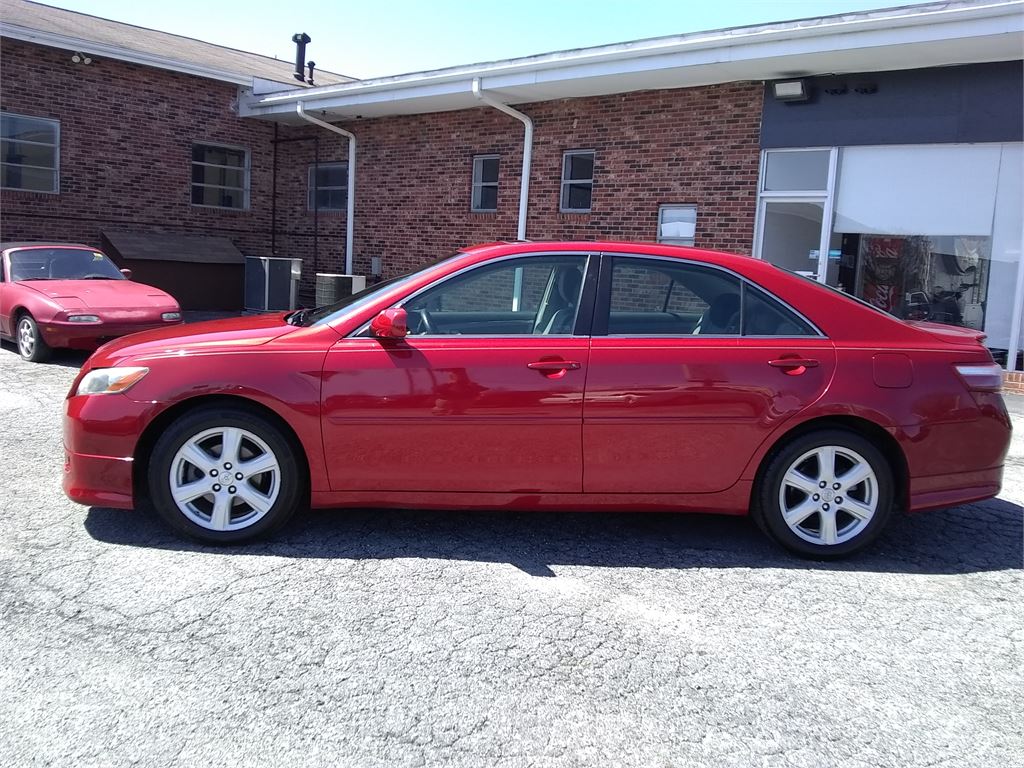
point(771, 140)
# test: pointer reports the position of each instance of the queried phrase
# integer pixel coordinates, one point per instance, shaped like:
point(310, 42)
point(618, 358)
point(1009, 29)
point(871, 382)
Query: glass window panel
point(796, 171)
point(215, 196)
point(580, 166)
point(28, 129)
point(30, 179)
point(489, 169)
point(578, 196)
point(488, 199)
point(677, 224)
point(660, 298)
point(331, 176)
point(763, 316)
point(28, 154)
point(218, 155)
point(221, 177)
point(481, 302)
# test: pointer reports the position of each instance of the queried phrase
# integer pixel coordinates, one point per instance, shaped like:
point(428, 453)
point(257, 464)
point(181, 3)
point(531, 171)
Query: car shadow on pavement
point(976, 537)
point(67, 358)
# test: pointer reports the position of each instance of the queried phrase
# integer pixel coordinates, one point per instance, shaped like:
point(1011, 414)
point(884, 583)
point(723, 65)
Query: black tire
point(770, 496)
point(288, 479)
point(30, 342)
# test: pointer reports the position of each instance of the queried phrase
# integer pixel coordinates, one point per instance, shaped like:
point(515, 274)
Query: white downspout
point(524, 185)
point(350, 211)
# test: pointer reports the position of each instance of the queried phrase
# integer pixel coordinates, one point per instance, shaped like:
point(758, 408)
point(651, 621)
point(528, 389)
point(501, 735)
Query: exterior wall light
point(790, 90)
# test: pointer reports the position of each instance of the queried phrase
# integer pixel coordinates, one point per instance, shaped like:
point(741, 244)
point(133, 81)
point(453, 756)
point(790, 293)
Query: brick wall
point(697, 145)
point(126, 135)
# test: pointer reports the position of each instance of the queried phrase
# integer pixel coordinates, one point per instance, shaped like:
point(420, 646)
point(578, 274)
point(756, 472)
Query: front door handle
point(794, 366)
point(553, 365)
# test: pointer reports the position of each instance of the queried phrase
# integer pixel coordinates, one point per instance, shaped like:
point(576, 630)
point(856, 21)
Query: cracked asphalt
point(391, 638)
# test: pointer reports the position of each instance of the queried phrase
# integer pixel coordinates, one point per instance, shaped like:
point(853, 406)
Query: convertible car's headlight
point(106, 381)
point(83, 319)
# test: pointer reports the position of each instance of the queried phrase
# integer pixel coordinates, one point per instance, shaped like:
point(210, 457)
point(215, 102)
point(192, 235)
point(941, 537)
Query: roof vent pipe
point(524, 184)
point(300, 39)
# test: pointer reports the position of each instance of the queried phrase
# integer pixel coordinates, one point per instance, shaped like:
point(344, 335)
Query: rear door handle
point(553, 365)
point(793, 366)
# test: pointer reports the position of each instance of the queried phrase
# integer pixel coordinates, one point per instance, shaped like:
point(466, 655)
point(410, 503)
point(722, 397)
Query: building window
point(677, 224)
point(577, 181)
point(485, 183)
point(220, 176)
point(29, 153)
point(328, 186)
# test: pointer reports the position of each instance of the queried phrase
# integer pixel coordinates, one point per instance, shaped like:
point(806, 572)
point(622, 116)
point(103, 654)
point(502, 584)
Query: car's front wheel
point(826, 494)
point(31, 344)
point(224, 475)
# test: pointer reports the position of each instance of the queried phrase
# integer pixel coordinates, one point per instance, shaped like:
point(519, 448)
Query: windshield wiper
point(98, 277)
point(298, 317)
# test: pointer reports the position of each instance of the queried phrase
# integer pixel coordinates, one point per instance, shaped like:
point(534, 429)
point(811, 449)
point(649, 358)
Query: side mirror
point(390, 324)
point(127, 273)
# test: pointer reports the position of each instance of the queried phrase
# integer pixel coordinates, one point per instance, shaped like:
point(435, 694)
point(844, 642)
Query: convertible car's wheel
point(224, 475)
point(31, 344)
point(826, 494)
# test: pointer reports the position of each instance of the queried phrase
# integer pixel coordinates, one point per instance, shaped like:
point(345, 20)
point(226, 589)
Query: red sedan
point(549, 376)
point(54, 295)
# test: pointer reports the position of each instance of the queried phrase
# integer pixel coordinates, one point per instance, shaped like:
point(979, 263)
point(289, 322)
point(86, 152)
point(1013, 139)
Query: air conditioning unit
point(331, 288)
point(271, 284)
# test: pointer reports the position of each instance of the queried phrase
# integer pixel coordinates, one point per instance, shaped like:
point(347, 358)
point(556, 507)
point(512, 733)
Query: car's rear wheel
point(224, 475)
point(31, 344)
point(826, 494)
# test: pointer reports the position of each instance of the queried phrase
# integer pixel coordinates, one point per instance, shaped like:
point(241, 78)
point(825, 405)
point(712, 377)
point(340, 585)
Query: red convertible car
point(56, 295)
point(548, 376)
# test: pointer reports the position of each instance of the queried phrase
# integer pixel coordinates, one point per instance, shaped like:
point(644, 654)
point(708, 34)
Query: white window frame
point(311, 189)
point(563, 197)
point(688, 241)
point(56, 155)
point(479, 184)
point(245, 168)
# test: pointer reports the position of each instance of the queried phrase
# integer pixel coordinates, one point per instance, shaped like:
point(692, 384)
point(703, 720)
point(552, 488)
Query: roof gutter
point(350, 210)
point(524, 183)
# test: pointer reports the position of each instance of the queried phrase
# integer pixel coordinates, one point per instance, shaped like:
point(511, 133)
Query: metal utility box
point(331, 288)
point(271, 283)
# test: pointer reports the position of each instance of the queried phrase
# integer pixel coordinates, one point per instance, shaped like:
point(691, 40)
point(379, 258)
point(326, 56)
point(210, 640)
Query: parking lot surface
point(391, 638)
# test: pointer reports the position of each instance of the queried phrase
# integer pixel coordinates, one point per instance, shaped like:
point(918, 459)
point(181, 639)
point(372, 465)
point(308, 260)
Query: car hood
point(102, 294)
point(229, 333)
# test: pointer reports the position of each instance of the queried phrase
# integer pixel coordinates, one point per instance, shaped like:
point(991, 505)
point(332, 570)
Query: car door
point(484, 393)
point(5, 299)
point(691, 367)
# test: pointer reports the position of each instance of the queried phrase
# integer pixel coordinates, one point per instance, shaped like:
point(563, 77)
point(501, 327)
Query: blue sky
point(369, 39)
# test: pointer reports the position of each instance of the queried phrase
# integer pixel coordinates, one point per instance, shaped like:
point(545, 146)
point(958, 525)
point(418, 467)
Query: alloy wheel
point(829, 495)
point(225, 478)
point(26, 337)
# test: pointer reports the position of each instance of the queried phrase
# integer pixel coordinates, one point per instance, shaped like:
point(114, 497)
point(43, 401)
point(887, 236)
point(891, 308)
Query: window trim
point(563, 194)
point(602, 304)
point(56, 155)
point(476, 185)
point(311, 191)
point(672, 240)
point(246, 175)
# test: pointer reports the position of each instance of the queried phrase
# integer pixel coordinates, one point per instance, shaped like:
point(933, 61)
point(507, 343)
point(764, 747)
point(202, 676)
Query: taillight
point(983, 377)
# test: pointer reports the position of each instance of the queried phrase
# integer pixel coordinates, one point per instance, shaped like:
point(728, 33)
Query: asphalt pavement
point(392, 638)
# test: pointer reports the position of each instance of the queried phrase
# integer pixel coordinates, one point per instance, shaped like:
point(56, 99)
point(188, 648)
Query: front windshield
point(368, 294)
point(62, 264)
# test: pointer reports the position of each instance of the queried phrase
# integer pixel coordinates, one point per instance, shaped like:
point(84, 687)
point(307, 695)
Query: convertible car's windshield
point(62, 264)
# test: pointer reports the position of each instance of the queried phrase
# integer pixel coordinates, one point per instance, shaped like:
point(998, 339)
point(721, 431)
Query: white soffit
point(902, 38)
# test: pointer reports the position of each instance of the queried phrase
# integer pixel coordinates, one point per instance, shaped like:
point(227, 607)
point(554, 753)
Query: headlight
point(106, 381)
point(171, 316)
point(83, 319)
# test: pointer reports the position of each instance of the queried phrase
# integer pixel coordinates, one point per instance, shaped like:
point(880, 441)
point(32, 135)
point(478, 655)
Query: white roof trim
point(104, 50)
point(889, 28)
